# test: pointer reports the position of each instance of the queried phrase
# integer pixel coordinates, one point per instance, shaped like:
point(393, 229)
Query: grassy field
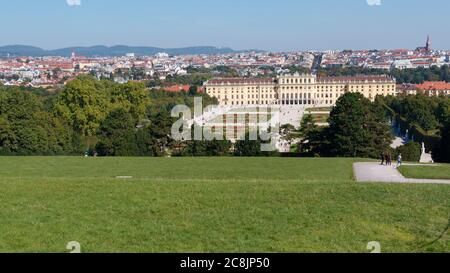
point(212, 205)
point(426, 172)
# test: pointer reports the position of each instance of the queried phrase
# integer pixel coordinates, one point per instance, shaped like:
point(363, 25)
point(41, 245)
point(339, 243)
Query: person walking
point(399, 160)
point(382, 158)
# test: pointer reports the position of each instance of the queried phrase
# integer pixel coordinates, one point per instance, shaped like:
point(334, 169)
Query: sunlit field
point(441, 171)
point(212, 205)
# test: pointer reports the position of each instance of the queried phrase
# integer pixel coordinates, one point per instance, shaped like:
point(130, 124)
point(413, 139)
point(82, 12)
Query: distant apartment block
point(430, 89)
point(434, 88)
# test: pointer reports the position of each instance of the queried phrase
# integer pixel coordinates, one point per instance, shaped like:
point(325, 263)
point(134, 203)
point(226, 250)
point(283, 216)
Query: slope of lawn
point(427, 172)
point(212, 205)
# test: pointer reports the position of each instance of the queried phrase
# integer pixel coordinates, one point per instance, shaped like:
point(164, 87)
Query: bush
point(410, 152)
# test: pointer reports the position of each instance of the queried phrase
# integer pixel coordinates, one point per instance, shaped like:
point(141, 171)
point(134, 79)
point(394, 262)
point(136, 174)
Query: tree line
point(108, 118)
point(432, 114)
point(111, 119)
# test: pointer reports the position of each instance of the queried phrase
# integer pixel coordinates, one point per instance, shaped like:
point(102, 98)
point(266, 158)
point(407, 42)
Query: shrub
point(410, 152)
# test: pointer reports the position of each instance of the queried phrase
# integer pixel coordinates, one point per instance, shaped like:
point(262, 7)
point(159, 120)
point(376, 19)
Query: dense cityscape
point(54, 71)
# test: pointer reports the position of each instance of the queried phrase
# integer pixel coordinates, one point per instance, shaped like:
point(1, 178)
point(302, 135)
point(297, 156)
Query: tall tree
point(27, 125)
point(442, 154)
point(160, 130)
point(312, 138)
point(6, 136)
point(84, 103)
point(117, 135)
point(133, 97)
point(357, 128)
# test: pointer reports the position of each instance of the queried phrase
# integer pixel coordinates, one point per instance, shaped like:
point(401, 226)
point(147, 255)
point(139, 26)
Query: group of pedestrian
point(386, 159)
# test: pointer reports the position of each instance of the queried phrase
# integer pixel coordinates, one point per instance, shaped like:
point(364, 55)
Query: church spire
point(428, 46)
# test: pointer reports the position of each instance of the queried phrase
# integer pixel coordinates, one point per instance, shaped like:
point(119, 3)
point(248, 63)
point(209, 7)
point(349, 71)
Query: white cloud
point(73, 2)
point(374, 2)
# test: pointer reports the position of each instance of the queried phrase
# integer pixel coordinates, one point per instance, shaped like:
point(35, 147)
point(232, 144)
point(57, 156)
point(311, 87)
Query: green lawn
point(212, 205)
point(427, 172)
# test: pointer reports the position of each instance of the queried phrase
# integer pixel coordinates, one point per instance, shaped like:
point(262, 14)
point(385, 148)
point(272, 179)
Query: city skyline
point(268, 25)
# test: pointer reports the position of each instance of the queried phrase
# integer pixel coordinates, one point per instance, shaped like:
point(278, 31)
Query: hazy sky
point(278, 25)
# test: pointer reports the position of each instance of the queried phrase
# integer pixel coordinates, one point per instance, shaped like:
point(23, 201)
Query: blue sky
point(278, 25)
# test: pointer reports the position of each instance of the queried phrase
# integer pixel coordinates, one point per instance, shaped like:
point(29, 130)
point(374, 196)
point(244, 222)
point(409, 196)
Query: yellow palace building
point(298, 89)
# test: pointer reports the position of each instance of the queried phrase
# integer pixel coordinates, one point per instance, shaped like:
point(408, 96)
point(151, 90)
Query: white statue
point(425, 158)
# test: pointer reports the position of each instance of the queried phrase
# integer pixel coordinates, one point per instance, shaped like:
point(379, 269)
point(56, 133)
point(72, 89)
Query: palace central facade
point(298, 89)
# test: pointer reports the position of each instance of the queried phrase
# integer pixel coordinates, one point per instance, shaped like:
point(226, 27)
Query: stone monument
point(425, 157)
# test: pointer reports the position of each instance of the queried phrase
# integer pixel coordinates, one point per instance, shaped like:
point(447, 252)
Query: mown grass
point(212, 205)
point(426, 172)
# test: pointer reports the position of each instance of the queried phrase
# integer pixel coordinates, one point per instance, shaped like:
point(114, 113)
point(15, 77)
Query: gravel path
point(374, 172)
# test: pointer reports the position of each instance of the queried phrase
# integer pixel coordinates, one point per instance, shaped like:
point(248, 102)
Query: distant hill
point(104, 51)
